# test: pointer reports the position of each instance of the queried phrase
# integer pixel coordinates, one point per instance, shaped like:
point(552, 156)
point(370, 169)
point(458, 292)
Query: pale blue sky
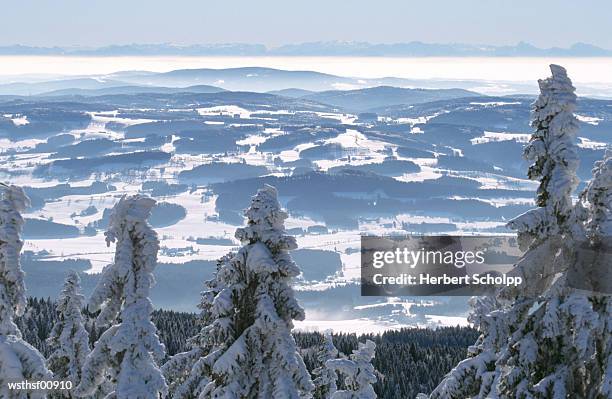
point(543, 23)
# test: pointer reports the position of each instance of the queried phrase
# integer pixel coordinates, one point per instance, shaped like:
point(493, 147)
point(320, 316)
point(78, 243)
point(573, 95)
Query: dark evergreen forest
point(409, 361)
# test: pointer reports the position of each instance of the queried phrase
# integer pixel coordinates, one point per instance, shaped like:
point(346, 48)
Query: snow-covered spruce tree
point(553, 153)
point(249, 310)
point(188, 373)
point(358, 371)
point(325, 377)
point(128, 351)
point(19, 361)
point(596, 199)
point(548, 340)
point(69, 340)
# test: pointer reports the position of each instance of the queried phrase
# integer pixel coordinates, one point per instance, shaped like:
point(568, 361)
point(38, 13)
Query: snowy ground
point(200, 213)
point(178, 240)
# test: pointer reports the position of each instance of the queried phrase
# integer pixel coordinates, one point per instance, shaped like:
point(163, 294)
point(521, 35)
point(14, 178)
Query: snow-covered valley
point(447, 166)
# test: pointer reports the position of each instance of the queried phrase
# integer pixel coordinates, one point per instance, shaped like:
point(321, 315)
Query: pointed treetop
point(328, 344)
point(15, 196)
point(266, 221)
point(558, 72)
point(71, 283)
point(557, 87)
point(72, 277)
point(71, 292)
point(558, 80)
point(602, 172)
point(136, 208)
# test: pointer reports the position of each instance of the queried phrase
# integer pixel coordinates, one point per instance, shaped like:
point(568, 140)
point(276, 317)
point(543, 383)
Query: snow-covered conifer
point(358, 371)
point(549, 339)
point(553, 153)
point(325, 378)
point(69, 340)
point(128, 351)
point(249, 308)
point(597, 200)
point(13, 201)
point(19, 361)
point(187, 373)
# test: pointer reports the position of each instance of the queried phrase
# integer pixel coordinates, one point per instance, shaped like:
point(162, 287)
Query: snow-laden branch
point(245, 348)
point(127, 352)
point(19, 361)
point(69, 340)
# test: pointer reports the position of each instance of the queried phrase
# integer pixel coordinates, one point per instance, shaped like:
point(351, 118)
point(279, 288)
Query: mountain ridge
point(383, 96)
point(328, 48)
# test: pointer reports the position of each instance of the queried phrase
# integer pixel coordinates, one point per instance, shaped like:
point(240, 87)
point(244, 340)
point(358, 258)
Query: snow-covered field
point(434, 143)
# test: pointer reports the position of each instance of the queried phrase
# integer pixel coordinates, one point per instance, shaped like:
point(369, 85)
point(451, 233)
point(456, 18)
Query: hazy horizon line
point(319, 49)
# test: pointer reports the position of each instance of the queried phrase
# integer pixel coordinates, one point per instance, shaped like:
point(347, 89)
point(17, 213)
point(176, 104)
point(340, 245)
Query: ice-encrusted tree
point(358, 371)
point(69, 340)
point(325, 377)
point(188, 373)
point(596, 199)
point(548, 339)
point(249, 308)
point(19, 361)
point(553, 153)
point(128, 351)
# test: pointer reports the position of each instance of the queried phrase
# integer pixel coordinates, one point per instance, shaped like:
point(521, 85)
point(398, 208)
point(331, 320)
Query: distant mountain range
point(118, 90)
point(357, 95)
point(238, 79)
point(382, 96)
point(307, 85)
point(255, 79)
point(334, 48)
